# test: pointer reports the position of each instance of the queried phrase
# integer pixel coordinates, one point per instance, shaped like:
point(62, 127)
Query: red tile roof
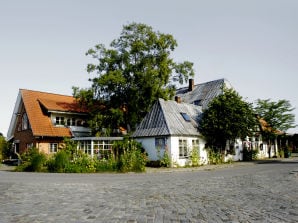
point(267, 128)
point(41, 124)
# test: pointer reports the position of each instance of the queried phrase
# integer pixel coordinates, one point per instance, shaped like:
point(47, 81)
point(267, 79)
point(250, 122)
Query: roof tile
point(41, 124)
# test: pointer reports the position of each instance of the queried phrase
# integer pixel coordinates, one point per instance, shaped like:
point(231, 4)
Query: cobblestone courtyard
point(255, 192)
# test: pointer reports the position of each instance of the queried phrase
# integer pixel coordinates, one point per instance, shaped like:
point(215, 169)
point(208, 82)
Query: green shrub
point(106, 165)
point(254, 154)
point(126, 156)
point(129, 156)
point(249, 155)
point(32, 161)
point(214, 156)
point(195, 157)
point(82, 164)
point(38, 162)
point(59, 162)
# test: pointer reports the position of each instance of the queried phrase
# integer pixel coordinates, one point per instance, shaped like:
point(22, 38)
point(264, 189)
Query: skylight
point(185, 116)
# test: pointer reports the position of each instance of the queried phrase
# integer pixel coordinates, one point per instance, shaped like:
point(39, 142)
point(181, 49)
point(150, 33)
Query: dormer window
point(71, 122)
point(185, 116)
point(197, 102)
point(59, 120)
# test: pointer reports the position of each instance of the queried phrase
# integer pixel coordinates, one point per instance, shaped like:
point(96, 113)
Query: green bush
point(129, 156)
point(214, 156)
point(33, 161)
point(106, 165)
point(126, 156)
point(82, 164)
point(249, 155)
point(195, 157)
point(59, 162)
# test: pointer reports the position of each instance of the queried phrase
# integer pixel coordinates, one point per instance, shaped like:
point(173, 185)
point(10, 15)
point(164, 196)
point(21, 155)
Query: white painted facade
point(172, 147)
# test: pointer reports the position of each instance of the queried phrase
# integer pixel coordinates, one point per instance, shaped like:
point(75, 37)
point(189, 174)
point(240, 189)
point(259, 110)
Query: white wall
point(174, 145)
point(173, 149)
point(148, 144)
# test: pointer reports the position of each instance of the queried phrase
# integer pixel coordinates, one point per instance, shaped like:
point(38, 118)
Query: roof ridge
point(162, 110)
point(43, 92)
point(204, 83)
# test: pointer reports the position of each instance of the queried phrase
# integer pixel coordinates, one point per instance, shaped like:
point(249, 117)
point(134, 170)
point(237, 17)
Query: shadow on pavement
point(277, 161)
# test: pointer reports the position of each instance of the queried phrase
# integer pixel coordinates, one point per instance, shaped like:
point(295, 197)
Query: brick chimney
point(191, 84)
point(178, 99)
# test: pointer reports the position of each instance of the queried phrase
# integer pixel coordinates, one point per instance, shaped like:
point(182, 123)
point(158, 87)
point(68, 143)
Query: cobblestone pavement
point(244, 192)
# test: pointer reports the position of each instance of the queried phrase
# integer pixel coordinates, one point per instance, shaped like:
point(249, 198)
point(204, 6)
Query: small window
point(185, 116)
point(24, 122)
point(53, 147)
point(195, 144)
point(71, 122)
point(183, 150)
point(197, 102)
point(160, 144)
point(60, 121)
point(29, 145)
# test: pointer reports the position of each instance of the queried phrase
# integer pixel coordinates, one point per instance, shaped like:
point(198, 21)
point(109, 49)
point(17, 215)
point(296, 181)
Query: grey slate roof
point(203, 93)
point(165, 119)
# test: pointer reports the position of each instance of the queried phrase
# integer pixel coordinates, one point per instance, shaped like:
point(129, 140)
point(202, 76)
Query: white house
point(202, 94)
point(172, 127)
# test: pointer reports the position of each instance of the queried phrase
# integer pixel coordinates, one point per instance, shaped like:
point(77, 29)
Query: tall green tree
point(278, 118)
point(4, 148)
point(276, 113)
point(227, 117)
point(130, 75)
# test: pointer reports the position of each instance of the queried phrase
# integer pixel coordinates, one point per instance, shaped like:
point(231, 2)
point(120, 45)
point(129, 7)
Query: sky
point(251, 43)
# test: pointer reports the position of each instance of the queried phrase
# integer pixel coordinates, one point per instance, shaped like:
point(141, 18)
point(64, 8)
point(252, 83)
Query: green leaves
point(228, 117)
point(136, 70)
point(277, 114)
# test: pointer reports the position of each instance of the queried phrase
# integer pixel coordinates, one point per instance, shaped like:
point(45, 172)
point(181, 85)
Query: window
point(160, 146)
point(183, 151)
point(185, 116)
point(103, 148)
point(53, 147)
point(197, 102)
point(195, 144)
point(29, 145)
point(71, 122)
point(80, 122)
point(59, 120)
point(24, 122)
point(160, 143)
point(85, 146)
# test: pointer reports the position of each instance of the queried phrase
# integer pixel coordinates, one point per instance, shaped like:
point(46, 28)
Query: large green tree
point(130, 75)
point(227, 117)
point(278, 118)
point(4, 148)
point(276, 113)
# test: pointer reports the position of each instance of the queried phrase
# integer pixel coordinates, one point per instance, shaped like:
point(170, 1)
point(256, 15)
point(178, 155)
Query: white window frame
point(60, 120)
point(25, 125)
point(183, 149)
point(195, 144)
point(53, 147)
point(71, 122)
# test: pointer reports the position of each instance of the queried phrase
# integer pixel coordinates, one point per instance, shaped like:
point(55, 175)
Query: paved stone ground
point(242, 192)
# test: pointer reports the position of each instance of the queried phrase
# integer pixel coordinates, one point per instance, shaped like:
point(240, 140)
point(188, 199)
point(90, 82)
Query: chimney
point(178, 99)
point(191, 84)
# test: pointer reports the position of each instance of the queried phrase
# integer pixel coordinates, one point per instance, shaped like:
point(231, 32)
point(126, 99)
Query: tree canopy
point(277, 114)
point(4, 147)
point(227, 117)
point(130, 76)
